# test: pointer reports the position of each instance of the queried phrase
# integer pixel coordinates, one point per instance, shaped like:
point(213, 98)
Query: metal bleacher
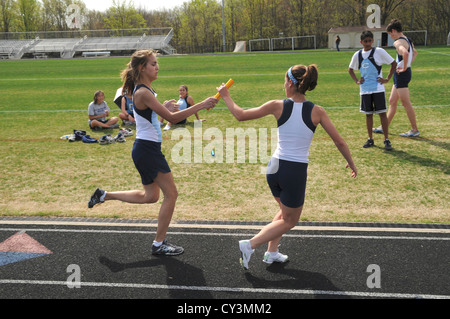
point(65, 47)
point(10, 49)
point(87, 45)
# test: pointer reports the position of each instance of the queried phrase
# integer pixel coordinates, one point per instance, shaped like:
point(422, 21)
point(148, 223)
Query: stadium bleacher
point(86, 46)
point(9, 49)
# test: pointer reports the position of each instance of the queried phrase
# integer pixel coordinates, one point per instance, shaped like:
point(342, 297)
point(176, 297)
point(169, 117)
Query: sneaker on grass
point(369, 143)
point(106, 139)
point(97, 198)
point(410, 133)
point(378, 130)
point(120, 138)
point(387, 145)
point(126, 132)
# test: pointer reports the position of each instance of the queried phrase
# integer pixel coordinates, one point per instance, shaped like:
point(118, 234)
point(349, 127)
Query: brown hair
point(96, 94)
point(394, 25)
point(306, 76)
point(128, 83)
point(132, 71)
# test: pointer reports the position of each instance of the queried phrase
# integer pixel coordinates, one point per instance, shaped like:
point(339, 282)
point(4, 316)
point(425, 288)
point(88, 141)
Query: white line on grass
point(216, 108)
point(191, 76)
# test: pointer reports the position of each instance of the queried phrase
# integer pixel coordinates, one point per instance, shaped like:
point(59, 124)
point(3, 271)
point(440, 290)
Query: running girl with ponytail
point(297, 120)
point(150, 162)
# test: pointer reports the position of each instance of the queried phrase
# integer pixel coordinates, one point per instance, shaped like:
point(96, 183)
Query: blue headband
point(291, 77)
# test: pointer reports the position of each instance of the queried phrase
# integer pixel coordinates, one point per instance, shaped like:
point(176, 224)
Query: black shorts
point(402, 80)
point(99, 120)
point(289, 182)
point(149, 160)
point(374, 103)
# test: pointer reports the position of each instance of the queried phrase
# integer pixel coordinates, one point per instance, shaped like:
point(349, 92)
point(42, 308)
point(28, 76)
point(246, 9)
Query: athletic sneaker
point(126, 132)
point(369, 143)
point(410, 133)
point(166, 128)
point(387, 145)
point(106, 139)
point(97, 198)
point(167, 249)
point(270, 258)
point(378, 130)
point(246, 252)
point(120, 138)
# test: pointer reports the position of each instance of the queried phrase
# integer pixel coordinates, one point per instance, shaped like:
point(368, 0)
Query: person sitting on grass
point(185, 101)
point(126, 113)
point(98, 112)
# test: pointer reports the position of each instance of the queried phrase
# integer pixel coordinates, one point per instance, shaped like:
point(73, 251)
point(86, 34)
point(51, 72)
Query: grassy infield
point(43, 175)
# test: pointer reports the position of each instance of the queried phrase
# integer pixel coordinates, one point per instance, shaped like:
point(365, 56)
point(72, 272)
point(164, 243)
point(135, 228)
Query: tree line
point(197, 24)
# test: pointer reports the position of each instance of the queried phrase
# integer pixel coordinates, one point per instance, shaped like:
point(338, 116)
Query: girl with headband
point(297, 119)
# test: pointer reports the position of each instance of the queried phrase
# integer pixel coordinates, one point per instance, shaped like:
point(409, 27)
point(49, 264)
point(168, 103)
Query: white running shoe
point(278, 258)
point(410, 133)
point(246, 252)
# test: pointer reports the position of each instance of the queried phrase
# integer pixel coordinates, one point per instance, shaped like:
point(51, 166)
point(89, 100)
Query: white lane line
point(182, 225)
point(227, 289)
point(172, 233)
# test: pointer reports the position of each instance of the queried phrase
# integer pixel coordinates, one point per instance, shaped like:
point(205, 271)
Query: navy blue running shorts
point(402, 80)
point(289, 183)
point(149, 160)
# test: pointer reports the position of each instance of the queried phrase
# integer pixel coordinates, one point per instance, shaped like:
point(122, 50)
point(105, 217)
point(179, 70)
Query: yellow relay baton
point(228, 84)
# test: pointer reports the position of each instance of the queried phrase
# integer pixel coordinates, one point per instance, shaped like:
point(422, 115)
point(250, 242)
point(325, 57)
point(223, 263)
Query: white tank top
point(295, 131)
point(147, 124)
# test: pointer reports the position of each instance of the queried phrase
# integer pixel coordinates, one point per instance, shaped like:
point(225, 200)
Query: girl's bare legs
point(403, 95)
point(284, 220)
point(166, 183)
point(163, 182)
point(149, 195)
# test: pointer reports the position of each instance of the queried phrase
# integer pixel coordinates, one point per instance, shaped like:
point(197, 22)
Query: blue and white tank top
point(147, 124)
point(183, 104)
point(295, 131)
point(370, 71)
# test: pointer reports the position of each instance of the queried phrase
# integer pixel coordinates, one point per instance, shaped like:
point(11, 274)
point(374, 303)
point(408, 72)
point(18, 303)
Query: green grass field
point(45, 176)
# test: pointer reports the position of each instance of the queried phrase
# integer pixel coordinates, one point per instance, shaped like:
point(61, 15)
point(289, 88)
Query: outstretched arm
point(274, 107)
point(145, 98)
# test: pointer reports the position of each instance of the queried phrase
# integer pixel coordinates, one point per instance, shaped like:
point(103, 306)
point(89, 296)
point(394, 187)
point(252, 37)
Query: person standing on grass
point(297, 120)
point(338, 41)
point(150, 162)
point(369, 61)
point(406, 54)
